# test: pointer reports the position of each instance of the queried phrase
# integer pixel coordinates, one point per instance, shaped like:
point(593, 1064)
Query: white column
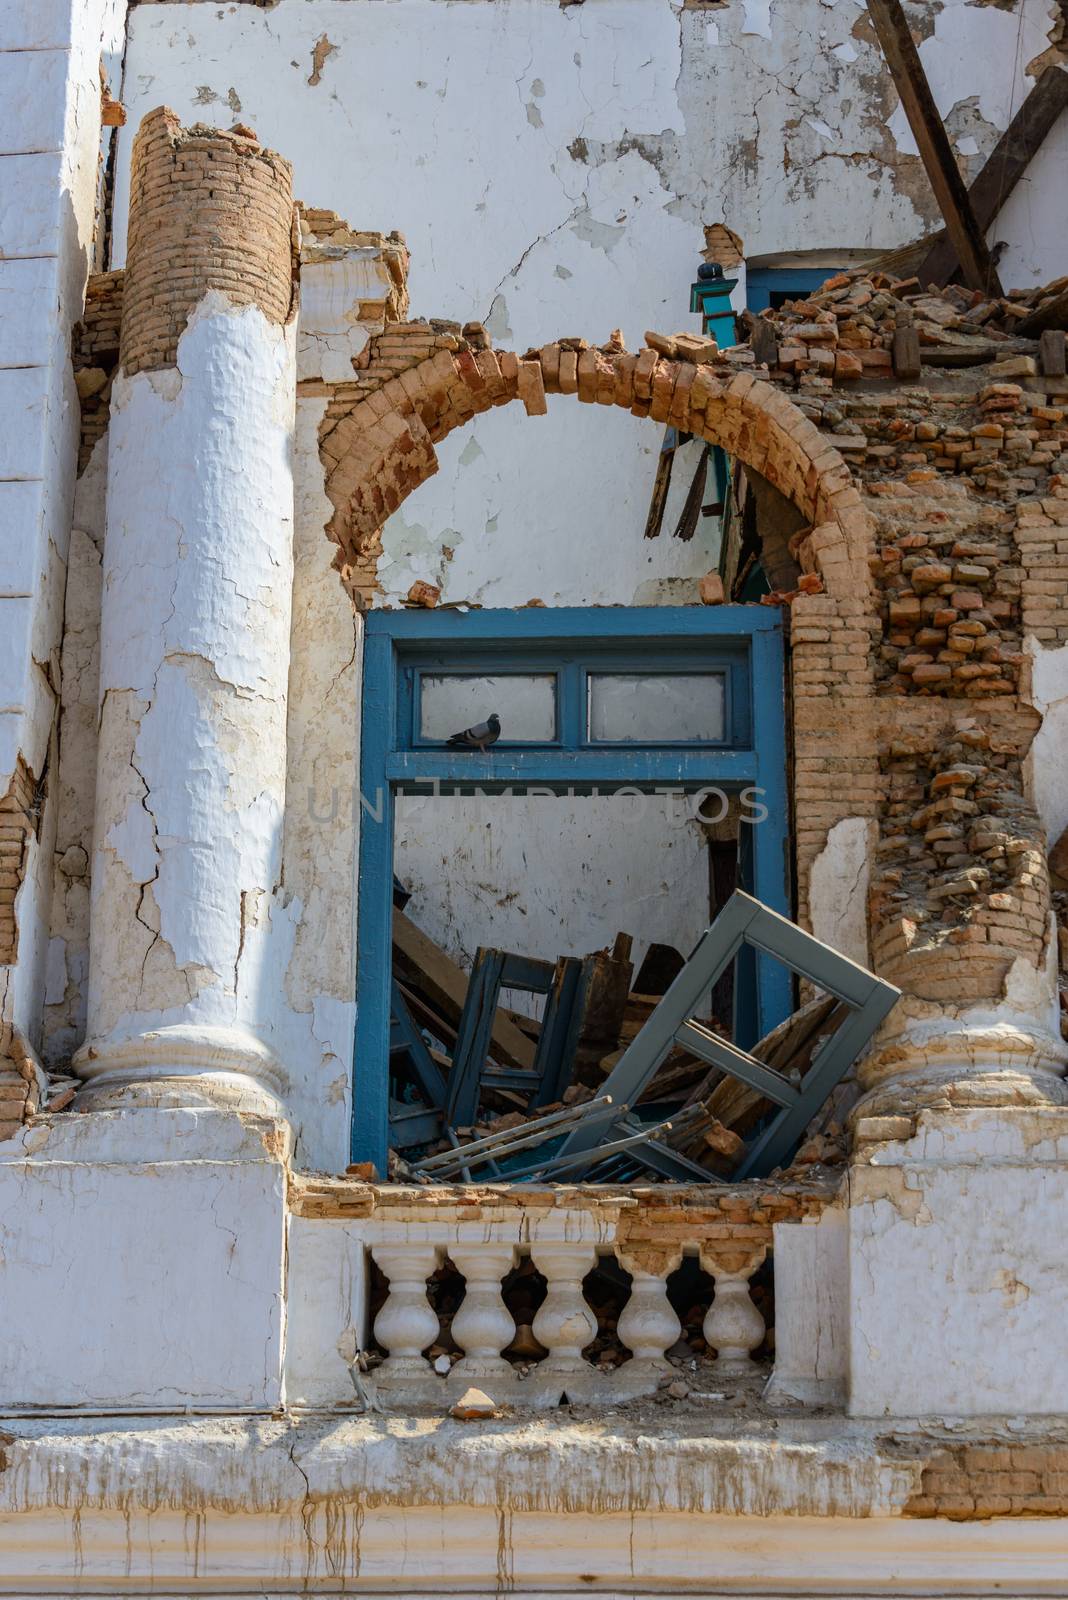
point(194, 661)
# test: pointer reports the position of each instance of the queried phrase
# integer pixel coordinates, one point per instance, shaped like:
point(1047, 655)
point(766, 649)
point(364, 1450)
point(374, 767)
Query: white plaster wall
point(957, 1276)
point(838, 888)
point(1047, 760)
point(141, 1264)
point(549, 877)
point(1032, 227)
point(315, 911)
point(552, 169)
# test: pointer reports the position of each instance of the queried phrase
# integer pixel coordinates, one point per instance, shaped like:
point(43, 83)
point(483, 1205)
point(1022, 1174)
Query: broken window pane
point(656, 708)
point(525, 703)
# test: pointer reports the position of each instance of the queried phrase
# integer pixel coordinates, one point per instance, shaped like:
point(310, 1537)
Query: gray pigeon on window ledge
point(478, 737)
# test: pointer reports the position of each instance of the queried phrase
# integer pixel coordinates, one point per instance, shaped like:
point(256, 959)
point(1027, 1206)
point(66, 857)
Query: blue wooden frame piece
point(762, 282)
point(747, 640)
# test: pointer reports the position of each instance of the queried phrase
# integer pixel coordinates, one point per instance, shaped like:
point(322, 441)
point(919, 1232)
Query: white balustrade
point(564, 1325)
point(648, 1325)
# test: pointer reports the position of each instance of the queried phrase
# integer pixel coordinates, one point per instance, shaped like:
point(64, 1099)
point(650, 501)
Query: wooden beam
point(903, 59)
point(1052, 313)
point(1004, 168)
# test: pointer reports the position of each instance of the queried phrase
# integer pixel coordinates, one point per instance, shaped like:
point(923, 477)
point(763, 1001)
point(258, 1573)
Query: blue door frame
point(744, 642)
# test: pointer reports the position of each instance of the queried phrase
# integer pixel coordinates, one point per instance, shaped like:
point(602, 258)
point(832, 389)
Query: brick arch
point(378, 435)
point(416, 382)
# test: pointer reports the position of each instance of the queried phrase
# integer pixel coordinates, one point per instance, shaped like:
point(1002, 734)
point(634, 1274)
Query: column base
point(943, 1063)
point(182, 1067)
point(151, 1262)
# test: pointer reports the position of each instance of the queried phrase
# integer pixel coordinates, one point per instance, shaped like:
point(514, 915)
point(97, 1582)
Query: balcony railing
point(399, 1297)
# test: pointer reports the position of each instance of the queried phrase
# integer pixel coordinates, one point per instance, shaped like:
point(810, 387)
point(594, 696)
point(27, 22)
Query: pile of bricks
point(961, 876)
point(853, 327)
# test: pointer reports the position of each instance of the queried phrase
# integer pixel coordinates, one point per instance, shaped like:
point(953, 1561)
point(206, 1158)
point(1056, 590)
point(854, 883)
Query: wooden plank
point(1003, 169)
point(445, 984)
point(906, 353)
point(903, 59)
point(1052, 314)
point(1051, 356)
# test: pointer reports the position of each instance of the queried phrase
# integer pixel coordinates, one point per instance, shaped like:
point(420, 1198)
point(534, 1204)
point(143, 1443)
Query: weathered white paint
point(141, 1263)
point(1047, 760)
point(49, 135)
point(838, 888)
point(197, 588)
point(67, 977)
point(624, 130)
point(386, 1505)
point(951, 1312)
point(551, 876)
point(812, 1309)
point(312, 1014)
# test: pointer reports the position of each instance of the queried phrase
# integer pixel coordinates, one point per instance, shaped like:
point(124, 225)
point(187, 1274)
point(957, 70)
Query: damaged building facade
point(354, 373)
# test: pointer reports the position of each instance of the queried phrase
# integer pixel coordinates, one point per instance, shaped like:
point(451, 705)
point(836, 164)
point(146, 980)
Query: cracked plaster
point(625, 130)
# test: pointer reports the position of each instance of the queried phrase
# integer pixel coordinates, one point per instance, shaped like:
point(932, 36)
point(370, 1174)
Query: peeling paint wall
point(49, 134)
point(197, 581)
point(552, 169)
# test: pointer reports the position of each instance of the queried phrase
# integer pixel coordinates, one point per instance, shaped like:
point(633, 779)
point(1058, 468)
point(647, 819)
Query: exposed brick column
point(194, 630)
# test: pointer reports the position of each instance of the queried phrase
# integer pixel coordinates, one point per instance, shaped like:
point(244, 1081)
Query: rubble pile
point(700, 1115)
point(847, 328)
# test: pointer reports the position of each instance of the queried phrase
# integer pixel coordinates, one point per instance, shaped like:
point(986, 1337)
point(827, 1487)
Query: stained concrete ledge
point(680, 1504)
point(673, 1459)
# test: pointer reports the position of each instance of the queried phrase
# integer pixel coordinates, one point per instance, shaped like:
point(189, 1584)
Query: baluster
point(564, 1323)
point(483, 1325)
point(733, 1326)
point(648, 1325)
point(407, 1323)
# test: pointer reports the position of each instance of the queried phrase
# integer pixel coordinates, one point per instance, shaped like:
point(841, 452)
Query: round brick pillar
point(195, 632)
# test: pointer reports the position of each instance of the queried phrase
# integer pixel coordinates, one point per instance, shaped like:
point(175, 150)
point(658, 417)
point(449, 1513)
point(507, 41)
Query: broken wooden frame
point(565, 985)
point(745, 922)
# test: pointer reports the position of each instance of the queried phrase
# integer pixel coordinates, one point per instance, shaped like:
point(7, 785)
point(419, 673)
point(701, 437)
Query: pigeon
point(478, 737)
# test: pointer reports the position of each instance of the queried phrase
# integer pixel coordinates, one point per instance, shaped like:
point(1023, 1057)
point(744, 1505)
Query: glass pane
point(656, 708)
point(525, 703)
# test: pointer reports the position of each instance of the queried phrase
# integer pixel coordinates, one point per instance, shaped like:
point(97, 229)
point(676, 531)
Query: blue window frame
point(771, 286)
point(401, 649)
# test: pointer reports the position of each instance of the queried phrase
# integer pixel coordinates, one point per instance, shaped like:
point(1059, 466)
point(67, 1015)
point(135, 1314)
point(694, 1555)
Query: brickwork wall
point(95, 353)
point(961, 888)
point(208, 210)
point(931, 545)
point(971, 1482)
point(18, 825)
